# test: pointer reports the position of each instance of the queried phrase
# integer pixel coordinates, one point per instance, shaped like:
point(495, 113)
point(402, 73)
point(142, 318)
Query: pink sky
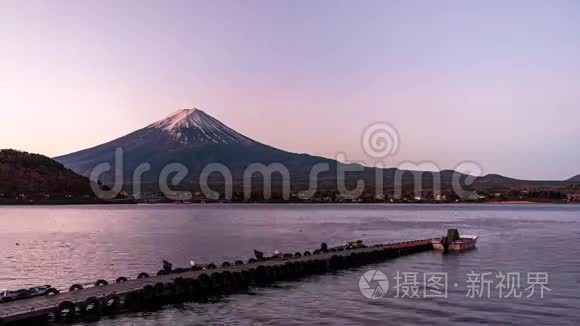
point(495, 82)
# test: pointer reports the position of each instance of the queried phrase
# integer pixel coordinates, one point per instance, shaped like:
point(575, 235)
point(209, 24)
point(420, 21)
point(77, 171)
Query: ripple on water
point(65, 245)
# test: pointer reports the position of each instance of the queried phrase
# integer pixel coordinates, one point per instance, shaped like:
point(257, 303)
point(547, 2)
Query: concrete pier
point(92, 303)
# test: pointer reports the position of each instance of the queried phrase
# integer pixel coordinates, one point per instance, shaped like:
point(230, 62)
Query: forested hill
point(33, 176)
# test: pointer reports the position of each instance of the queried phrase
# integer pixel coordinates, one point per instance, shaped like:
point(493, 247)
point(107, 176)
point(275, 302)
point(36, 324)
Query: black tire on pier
point(101, 283)
point(111, 304)
point(193, 288)
point(323, 268)
point(298, 268)
point(389, 253)
point(239, 280)
point(90, 309)
point(216, 282)
point(381, 254)
point(370, 257)
point(346, 263)
point(384, 254)
point(65, 312)
point(335, 262)
point(373, 257)
point(312, 266)
point(285, 271)
point(354, 259)
point(75, 287)
point(289, 270)
point(170, 294)
point(252, 261)
point(150, 297)
point(121, 279)
point(239, 262)
point(307, 253)
point(294, 269)
point(226, 264)
point(248, 276)
point(260, 276)
point(307, 268)
point(196, 268)
point(315, 267)
point(271, 274)
point(133, 301)
point(281, 272)
point(228, 281)
point(358, 259)
point(142, 275)
point(52, 291)
point(211, 266)
point(204, 283)
point(181, 288)
point(361, 258)
point(196, 293)
point(159, 289)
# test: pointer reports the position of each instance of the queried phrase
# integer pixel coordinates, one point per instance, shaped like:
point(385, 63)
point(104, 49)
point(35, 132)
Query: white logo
point(380, 140)
point(368, 284)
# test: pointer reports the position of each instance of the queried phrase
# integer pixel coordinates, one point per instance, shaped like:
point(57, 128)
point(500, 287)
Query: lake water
point(65, 245)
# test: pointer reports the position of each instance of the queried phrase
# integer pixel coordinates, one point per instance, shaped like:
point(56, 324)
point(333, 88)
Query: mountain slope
point(35, 175)
point(188, 137)
point(195, 127)
point(194, 139)
point(501, 183)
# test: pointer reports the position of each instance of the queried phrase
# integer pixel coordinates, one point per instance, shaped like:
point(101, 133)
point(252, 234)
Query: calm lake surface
point(80, 244)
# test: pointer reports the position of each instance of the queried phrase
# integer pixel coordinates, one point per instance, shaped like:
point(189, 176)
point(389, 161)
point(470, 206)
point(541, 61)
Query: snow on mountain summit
point(176, 119)
point(193, 126)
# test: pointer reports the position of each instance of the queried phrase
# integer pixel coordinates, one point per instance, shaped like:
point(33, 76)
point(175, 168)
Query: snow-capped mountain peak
point(193, 126)
point(174, 120)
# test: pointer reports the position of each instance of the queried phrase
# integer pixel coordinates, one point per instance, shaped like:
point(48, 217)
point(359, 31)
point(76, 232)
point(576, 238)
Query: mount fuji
point(194, 139)
point(195, 127)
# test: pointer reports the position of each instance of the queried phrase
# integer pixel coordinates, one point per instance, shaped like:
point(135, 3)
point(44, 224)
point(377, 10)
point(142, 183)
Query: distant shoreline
point(524, 202)
point(133, 202)
point(63, 202)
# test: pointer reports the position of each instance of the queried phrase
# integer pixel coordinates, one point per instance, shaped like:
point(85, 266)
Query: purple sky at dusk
point(496, 82)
